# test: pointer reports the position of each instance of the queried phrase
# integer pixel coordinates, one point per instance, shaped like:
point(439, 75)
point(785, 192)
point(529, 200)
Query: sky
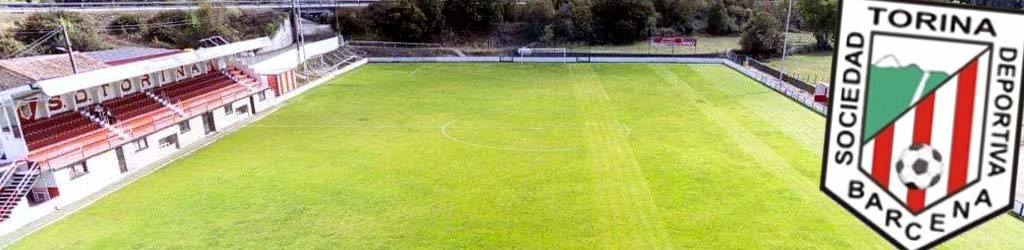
point(928, 54)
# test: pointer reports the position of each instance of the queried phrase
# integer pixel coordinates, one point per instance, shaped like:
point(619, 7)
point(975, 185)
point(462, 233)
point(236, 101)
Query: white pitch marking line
point(416, 70)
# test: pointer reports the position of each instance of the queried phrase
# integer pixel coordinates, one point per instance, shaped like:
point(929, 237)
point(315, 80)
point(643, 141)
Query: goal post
point(544, 52)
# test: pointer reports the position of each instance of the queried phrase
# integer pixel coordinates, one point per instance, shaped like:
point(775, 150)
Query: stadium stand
point(60, 128)
point(66, 123)
point(66, 134)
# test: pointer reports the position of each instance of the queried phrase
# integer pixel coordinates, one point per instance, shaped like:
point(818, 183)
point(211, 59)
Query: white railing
point(163, 101)
point(103, 123)
point(251, 84)
point(9, 172)
point(19, 188)
point(798, 95)
point(67, 155)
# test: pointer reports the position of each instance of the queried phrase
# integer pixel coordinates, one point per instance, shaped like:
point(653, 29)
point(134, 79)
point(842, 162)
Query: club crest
point(925, 117)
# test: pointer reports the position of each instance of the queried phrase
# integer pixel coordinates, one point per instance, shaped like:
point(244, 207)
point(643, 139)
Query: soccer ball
point(920, 166)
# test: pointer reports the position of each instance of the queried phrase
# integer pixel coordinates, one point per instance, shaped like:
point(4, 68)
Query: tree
point(127, 25)
point(432, 9)
point(677, 14)
point(534, 16)
point(819, 16)
point(623, 21)
point(473, 16)
point(574, 20)
point(351, 21)
point(719, 21)
point(398, 21)
point(761, 35)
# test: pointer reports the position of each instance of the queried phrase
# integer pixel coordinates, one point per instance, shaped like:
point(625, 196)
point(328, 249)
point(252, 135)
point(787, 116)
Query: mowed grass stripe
point(629, 216)
point(712, 105)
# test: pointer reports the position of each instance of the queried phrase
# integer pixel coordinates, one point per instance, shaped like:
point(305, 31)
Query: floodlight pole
point(785, 39)
point(299, 40)
point(67, 42)
point(302, 38)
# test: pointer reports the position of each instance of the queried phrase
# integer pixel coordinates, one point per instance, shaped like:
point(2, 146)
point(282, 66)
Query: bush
point(209, 20)
point(623, 21)
point(255, 23)
point(511, 33)
point(719, 21)
point(184, 29)
point(127, 25)
point(170, 27)
point(274, 24)
point(9, 46)
point(761, 35)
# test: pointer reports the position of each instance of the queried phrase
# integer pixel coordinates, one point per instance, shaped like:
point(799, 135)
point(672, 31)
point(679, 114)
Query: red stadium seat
point(135, 113)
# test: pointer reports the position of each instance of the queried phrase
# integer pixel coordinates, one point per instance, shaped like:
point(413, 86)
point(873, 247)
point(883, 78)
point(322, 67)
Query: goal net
point(545, 52)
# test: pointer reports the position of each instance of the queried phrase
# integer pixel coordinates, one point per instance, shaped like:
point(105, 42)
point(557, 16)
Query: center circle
point(510, 133)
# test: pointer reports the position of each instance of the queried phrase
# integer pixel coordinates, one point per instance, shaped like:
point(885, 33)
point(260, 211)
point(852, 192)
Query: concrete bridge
point(20, 7)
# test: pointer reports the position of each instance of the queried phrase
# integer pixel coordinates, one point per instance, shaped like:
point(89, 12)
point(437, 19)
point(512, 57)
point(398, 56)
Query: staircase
point(212, 41)
point(17, 182)
point(106, 125)
point(166, 103)
point(242, 78)
point(330, 62)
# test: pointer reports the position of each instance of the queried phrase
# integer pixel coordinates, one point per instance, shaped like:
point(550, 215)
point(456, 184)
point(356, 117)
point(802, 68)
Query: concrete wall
point(263, 100)
point(281, 38)
point(228, 115)
point(289, 60)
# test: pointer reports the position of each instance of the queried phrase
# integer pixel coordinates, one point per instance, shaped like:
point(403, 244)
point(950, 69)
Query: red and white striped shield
point(949, 119)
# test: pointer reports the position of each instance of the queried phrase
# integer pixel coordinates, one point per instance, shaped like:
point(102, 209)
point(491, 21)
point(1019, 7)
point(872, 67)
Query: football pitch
point(501, 156)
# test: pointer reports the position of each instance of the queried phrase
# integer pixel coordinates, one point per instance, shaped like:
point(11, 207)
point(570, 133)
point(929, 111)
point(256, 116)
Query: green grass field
point(501, 156)
point(812, 68)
